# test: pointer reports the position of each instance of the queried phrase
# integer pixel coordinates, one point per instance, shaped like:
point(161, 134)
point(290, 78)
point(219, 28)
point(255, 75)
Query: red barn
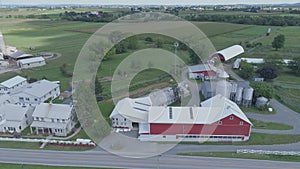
point(202, 71)
point(219, 119)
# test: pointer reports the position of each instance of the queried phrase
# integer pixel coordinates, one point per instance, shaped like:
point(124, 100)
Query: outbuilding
point(228, 53)
point(202, 71)
point(31, 62)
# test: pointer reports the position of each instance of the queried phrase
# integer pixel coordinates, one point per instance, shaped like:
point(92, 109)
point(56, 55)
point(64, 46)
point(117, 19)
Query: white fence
point(248, 151)
point(77, 142)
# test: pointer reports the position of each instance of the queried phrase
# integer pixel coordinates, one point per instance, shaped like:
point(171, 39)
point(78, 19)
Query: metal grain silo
point(238, 96)
point(247, 96)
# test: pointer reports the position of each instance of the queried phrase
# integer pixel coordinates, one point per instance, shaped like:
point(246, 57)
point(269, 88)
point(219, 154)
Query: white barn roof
point(13, 81)
point(212, 110)
point(55, 111)
point(201, 68)
point(32, 60)
point(231, 52)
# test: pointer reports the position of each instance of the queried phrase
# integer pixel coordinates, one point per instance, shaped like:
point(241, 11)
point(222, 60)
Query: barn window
point(241, 123)
point(220, 122)
point(170, 113)
point(231, 118)
point(191, 113)
point(164, 136)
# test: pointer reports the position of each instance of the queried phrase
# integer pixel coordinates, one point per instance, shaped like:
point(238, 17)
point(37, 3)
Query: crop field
point(68, 37)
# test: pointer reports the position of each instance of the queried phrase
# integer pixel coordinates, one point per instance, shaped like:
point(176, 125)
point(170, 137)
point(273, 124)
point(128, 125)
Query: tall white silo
point(247, 96)
point(2, 46)
point(239, 95)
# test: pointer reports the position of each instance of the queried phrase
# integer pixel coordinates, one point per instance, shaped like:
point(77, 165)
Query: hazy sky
point(139, 2)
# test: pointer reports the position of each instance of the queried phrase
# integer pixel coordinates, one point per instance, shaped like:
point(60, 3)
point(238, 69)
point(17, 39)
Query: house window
point(42, 119)
point(27, 99)
point(117, 119)
point(164, 136)
point(20, 127)
point(241, 123)
point(231, 117)
point(37, 118)
point(220, 123)
point(52, 120)
point(35, 99)
point(112, 119)
point(26, 116)
point(63, 120)
point(57, 120)
point(124, 119)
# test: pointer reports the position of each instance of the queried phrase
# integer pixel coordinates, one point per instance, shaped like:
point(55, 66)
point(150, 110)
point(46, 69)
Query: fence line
point(249, 151)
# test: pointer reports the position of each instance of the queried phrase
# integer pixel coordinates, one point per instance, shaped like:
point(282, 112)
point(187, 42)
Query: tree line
point(270, 20)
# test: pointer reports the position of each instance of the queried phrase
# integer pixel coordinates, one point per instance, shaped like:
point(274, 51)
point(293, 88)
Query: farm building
point(237, 63)
point(17, 55)
point(254, 60)
point(12, 84)
point(139, 106)
point(218, 119)
point(261, 101)
point(31, 62)
point(238, 91)
point(202, 71)
point(36, 93)
point(56, 119)
point(15, 118)
point(2, 47)
point(228, 53)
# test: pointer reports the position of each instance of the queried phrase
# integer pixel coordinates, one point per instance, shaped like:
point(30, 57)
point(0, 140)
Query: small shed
point(261, 101)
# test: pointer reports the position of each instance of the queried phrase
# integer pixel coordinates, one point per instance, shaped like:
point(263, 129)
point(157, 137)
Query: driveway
point(283, 115)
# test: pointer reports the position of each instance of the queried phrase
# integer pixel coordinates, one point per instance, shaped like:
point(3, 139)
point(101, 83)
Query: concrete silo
point(2, 47)
point(247, 97)
point(233, 91)
point(238, 96)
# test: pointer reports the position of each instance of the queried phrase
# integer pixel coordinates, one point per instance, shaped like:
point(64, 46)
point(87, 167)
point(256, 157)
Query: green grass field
point(245, 156)
point(258, 139)
point(270, 125)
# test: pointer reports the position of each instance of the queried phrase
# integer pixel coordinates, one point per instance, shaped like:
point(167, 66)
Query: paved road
point(283, 115)
point(194, 89)
point(103, 159)
point(228, 69)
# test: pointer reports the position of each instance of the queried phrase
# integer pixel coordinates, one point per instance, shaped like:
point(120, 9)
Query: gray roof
point(40, 88)
point(48, 124)
point(208, 86)
point(13, 81)
point(32, 60)
point(55, 111)
point(13, 112)
point(199, 68)
point(244, 84)
point(17, 54)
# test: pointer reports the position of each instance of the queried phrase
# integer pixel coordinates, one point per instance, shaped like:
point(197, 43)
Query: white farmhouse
point(37, 92)
point(15, 118)
point(12, 84)
point(31, 62)
point(55, 119)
